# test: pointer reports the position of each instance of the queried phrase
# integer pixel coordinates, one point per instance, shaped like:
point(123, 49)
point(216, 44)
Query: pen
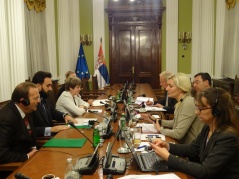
point(140, 147)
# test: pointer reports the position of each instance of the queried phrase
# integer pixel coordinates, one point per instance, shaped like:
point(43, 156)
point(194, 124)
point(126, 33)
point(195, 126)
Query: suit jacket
point(15, 139)
point(41, 121)
point(186, 125)
point(68, 104)
point(219, 157)
point(171, 103)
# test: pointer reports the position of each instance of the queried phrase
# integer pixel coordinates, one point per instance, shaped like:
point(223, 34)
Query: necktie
point(26, 121)
point(44, 110)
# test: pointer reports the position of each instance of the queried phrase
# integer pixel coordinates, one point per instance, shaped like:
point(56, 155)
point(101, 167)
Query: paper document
point(147, 128)
point(139, 100)
point(84, 121)
point(153, 108)
point(152, 136)
point(100, 102)
point(95, 110)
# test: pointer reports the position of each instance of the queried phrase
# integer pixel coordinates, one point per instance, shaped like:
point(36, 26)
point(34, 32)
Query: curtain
point(51, 37)
point(98, 28)
point(68, 36)
point(231, 43)
point(13, 68)
point(36, 38)
point(202, 36)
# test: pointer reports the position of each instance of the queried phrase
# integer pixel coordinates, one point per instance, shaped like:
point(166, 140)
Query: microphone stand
point(108, 133)
point(87, 165)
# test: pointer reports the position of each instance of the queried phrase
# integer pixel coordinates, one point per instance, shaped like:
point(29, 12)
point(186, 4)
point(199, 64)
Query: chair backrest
point(95, 86)
point(236, 88)
point(85, 85)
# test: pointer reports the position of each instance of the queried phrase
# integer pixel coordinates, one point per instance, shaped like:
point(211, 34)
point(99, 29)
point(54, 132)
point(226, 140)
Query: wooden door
point(135, 41)
point(135, 56)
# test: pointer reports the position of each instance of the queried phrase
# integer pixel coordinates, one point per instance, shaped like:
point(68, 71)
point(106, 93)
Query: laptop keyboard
point(150, 160)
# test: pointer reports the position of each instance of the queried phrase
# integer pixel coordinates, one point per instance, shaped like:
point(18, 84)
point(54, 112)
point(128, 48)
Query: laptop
point(148, 162)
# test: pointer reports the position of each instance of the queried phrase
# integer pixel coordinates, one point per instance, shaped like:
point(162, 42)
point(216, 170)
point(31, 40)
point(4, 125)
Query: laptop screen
point(131, 148)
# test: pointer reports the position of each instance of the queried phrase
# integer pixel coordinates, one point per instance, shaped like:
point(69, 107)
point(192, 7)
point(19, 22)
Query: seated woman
point(70, 100)
point(217, 145)
point(185, 126)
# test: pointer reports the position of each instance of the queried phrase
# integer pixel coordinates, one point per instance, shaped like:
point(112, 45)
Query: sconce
point(184, 37)
point(86, 39)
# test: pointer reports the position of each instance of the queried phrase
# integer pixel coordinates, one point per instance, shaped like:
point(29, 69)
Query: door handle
point(132, 69)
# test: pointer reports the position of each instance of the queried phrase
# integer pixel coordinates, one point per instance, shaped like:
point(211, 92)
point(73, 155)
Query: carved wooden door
point(136, 55)
point(135, 41)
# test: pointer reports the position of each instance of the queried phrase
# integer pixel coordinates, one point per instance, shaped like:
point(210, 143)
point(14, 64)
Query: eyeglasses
point(197, 82)
point(199, 109)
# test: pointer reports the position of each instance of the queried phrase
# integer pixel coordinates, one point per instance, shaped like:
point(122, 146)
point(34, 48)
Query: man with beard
point(46, 113)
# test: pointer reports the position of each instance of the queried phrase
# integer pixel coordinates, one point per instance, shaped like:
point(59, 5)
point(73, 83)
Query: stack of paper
point(100, 102)
point(139, 100)
point(84, 121)
point(147, 128)
point(153, 108)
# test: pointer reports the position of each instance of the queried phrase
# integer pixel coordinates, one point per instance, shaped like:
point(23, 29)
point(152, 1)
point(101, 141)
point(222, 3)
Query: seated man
point(201, 81)
point(166, 103)
point(63, 86)
point(46, 113)
point(17, 132)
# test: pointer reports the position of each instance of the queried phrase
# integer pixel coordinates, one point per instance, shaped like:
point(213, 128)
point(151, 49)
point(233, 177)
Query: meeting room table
point(49, 160)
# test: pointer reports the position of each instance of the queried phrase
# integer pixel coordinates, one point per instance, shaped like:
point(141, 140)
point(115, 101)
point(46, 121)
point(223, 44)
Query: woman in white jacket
point(70, 100)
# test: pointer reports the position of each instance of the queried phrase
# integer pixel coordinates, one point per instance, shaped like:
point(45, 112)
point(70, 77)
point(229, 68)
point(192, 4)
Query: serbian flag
point(101, 70)
point(82, 70)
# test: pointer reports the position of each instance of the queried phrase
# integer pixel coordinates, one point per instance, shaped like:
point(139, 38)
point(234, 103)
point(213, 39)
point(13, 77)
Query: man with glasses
point(201, 81)
point(166, 103)
point(46, 113)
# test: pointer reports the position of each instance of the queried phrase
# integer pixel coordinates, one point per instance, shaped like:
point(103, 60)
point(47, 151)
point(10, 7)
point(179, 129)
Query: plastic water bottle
point(123, 122)
point(96, 137)
point(70, 172)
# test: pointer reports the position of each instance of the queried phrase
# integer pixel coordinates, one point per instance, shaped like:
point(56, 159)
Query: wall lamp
point(184, 37)
point(86, 39)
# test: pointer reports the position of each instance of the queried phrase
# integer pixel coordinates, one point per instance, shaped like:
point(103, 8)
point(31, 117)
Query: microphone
point(142, 95)
point(98, 114)
point(73, 125)
point(21, 176)
point(106, 104)
point(108, 131)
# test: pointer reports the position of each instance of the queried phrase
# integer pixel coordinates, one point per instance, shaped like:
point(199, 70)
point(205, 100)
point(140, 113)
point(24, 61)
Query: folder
point(65, 143)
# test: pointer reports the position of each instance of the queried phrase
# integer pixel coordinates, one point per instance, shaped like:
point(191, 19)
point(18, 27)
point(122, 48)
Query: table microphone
point(73, 125)
point(21, 176)
point(108, 132)
point(106, 104)
point(98, 114)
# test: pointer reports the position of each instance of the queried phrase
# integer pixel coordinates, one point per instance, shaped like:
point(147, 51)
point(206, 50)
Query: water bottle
point(70, 172)
point(96, 137)
point(123, 122)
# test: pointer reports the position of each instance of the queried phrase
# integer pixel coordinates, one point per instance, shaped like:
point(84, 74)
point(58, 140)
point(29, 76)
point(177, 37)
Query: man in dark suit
point(46, 113)
point(165, 103)
point(17, 132)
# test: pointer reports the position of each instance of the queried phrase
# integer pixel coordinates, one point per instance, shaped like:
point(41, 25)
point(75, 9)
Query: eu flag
point(82, 70)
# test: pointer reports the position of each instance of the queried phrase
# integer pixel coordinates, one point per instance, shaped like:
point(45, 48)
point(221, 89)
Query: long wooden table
point(53, 160)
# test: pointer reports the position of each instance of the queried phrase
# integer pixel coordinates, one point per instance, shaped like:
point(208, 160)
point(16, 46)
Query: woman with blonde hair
point(185, 126)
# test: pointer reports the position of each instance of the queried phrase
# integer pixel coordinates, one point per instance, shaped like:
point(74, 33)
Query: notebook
point(148, 162)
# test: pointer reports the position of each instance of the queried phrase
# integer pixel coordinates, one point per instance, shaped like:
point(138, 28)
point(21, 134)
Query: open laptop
point(148, 162)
